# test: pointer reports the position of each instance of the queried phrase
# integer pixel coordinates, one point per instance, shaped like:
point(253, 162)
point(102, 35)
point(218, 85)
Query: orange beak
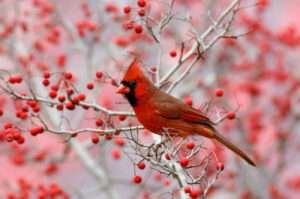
point(122, 89)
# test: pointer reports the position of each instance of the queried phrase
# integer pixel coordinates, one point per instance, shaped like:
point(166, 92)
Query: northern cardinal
point(160, 112)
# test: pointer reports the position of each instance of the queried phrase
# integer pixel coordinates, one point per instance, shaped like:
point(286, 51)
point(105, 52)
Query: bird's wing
point(172, 108)
point(193, 115)
point(167, 110)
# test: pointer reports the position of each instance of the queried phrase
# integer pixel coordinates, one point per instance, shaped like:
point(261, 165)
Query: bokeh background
point(256, 64)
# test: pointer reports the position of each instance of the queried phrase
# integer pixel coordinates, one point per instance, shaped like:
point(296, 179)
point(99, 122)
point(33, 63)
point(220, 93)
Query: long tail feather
point(233, 148)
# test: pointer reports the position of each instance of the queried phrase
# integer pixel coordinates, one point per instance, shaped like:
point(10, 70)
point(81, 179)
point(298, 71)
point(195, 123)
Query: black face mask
point(130, 96)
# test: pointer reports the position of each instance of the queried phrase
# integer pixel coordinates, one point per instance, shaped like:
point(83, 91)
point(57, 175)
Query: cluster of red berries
point(69, 100)
point(83, 26)
point(193, 192)
point(15, 79)
point(141, 11)
point(127, 9)
point(11, 133)
point(28, 190)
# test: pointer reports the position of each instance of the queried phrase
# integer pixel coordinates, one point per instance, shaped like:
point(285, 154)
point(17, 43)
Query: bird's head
point(135, 85)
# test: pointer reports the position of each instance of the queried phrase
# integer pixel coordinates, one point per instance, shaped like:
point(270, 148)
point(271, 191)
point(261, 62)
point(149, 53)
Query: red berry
point(54, 87)
point(25, 109)
point(173, 53)
point(75, 99)
point(70, 91)
point(187, 189)
point(138, 28)
point(90, 86)
point(220, 166)
point(60, 107)
point(188, 100)
point(190, 145)
point(46, 74)
point(153, 69)
point(230, 115)
point(157, 176)
point(219, 92)
point(32, 103)
point(36, 130)
point(141, 165)
point(9, 137)
point(111, 7)
point(119, 141)
point(11, 80)
point(108, 136)
point(184, 162)
point(54, 190)
point(99, 74)
point(116, 153)
point(61, 98)
point(127, 9)
point(195, 192)
point(70, 105)
point(137, 179)
point(61, 60)
point(51, 168)
point(18, 79)
point(53, 94)
point(166, 182)
point(141, 3)
point(128, 25)
point(7, 125)
point(68, 75)
point(20, 140)
point(122, 117)
point(141, 12)
point(81, 96)
point(95, 138)
point(15, 134)
point(36, 109)
point(18, 159)
point(46, 82)
point(1, 112)
point(99, 122)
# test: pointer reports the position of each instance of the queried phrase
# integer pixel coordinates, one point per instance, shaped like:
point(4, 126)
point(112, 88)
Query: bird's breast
point(147, 117)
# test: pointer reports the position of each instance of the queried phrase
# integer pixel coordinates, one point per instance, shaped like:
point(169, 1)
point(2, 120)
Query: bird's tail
point(233, 147)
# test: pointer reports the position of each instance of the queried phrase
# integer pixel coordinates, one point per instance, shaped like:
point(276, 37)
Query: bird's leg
point(163, 146)
point(156, 149)
point(160, 145)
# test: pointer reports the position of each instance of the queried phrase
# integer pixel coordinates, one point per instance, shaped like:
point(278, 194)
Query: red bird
point(160, 112)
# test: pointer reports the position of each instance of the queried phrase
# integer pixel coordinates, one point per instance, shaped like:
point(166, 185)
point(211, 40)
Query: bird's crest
point(134, 71)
